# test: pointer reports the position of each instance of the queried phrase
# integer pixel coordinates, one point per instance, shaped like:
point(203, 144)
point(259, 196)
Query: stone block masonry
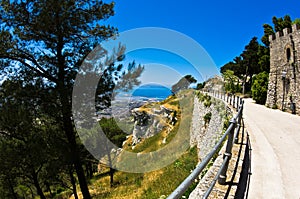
point(284, 77)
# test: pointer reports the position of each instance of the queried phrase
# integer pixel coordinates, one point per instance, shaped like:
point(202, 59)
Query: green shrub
point(207, 117)
point(260, 87)
point(274, 106)
point(207, 103)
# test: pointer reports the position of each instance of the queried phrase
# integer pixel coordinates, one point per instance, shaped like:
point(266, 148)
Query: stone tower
point(284, 77)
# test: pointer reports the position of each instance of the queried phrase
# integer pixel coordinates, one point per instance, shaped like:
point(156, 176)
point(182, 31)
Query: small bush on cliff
point(207, 118)
point(204, 98)
point(260, 87)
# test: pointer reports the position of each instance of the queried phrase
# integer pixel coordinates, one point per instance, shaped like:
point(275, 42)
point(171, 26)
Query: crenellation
point(278, 34)
point(284, 77)
point(295, 27)
point(286, 31)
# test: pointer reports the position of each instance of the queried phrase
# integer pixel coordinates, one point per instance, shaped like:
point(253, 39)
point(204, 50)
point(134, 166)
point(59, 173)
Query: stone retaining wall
point(205, 135)
point(205, 138)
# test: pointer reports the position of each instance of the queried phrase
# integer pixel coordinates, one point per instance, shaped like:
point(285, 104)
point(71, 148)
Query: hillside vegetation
point(159, 183)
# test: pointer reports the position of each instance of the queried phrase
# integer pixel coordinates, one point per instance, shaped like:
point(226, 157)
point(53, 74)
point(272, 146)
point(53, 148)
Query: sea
point(124, 102)
point(152, 91)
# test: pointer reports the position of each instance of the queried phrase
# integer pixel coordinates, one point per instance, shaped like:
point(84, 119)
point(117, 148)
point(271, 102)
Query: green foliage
point(274, 106)
point(251, 57)
point(282, 23)
point(207, 117)
point(31, 138)
point(231, 82)
point(200, 85)
point(226, 122)
point(247, 64)
point(256, 58)
point(264, 59)
point(206, 99)
point(207, 103)
point(48, 40)
point(113, 131)
point(237, 66)
point(297, 21)
point(268, 30)
point(279, 24)
point(260, 87)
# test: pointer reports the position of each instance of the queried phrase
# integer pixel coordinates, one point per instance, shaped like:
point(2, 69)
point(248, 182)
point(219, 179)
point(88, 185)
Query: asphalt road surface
point(275, 141)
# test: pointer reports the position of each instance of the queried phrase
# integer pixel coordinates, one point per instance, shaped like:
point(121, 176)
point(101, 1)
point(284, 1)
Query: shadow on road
point(244, 181)
point(245, 175)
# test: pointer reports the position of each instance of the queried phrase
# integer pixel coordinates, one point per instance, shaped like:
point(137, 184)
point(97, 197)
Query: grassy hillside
point(149, 185)
point(159, 183)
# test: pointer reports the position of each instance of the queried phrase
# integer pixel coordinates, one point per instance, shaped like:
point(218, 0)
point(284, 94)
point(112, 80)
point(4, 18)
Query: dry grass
point(157, 183)
point(145, 185)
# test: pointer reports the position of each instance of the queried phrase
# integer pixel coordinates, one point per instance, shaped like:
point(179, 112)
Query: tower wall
point(284, 57)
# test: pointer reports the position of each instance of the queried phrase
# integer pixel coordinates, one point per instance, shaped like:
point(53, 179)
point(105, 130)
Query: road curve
point(275, 141)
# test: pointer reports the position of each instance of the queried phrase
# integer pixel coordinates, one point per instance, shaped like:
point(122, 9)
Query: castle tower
point(284, 77)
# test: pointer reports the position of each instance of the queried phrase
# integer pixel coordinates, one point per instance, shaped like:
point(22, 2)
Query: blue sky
point(222, 28)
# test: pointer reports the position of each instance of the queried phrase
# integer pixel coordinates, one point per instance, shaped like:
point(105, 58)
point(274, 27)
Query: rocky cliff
point(148, 122)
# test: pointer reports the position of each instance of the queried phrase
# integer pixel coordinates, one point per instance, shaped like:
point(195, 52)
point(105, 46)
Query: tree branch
point(31, 58)
point(38, 70)
point(12, 136)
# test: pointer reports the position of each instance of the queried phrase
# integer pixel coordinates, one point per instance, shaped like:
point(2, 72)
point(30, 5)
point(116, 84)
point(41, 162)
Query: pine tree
point(50, 39)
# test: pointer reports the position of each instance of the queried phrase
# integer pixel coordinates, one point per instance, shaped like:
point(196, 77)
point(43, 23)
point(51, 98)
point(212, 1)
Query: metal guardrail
point(232, 133)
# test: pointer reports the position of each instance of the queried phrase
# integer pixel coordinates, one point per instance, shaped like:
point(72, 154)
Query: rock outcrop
point(149, 123)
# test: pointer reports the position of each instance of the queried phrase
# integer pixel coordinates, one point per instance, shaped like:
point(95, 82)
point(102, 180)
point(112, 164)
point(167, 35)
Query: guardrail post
point(222, 177)
point(230, 99)
point(236, 136)
point(237, 101)
point(233, 103)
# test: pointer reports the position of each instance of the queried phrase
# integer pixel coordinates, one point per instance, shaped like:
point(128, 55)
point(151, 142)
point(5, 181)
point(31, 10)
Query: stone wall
point(284, 58)
point(238, 152)
point(204, 135)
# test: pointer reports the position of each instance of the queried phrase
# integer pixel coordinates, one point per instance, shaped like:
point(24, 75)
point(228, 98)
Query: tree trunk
point(250, 81)
point(245, 79)
point(111, 174)
point(111, 170)
point(37, 186)
point(73, 182)
point(89, 170)
point(82, 180)
point(244, 84)
point(65, 95)
point(71, 136)
point(49, 188)
point(11, 187)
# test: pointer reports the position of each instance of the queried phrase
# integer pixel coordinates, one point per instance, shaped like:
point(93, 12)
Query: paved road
point(275, 140)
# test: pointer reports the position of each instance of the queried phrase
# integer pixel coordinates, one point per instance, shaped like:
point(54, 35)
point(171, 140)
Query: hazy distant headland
point(124, 102)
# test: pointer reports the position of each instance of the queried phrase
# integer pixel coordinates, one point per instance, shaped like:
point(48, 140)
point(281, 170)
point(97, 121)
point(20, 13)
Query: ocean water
point(152, 91)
